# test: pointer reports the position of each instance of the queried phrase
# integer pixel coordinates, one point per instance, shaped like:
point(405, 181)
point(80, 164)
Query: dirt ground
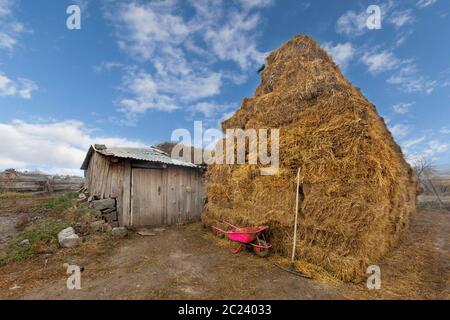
point(189, 262)
point(15, 213)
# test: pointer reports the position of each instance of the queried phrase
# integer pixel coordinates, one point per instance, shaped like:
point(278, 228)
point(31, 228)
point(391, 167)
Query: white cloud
point(181, 50)
point(402, 108)
point(342, 53)
point(228, 33)
point(56, 147)
point(399, 130)
point(352, 23)
point(209, 109)
point(408, 79)
point(436, 147)
point(445, 130)
point(425, 147)
point(401, 37)
point(5, 8)
point(10, 28)
point(411, 143)
point(231, 41)
point(425, 3)
point(22, 88)
point(401, 18)
point(151, 25)
point(250, 4)
point(166, 90)
point(108, 66)
point(380, 61)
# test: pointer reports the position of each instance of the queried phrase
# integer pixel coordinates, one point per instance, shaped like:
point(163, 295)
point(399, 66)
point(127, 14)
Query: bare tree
point(424, 170)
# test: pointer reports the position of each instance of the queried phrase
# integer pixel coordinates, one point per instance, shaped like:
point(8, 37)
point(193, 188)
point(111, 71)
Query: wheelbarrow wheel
point(261, 252)
point(235, 250)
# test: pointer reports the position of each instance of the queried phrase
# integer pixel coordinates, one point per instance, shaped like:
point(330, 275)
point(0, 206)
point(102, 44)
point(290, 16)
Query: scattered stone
point(25, 242)
point(82, 196)
point(115, 224)
point(106, 227)
point(96, 226)
point(104, 204)
point(145, 233)
point(15, 287)
point(68, 238)
point(98, 214)
point(108, 217)
point(119, 232)
point(81, 200)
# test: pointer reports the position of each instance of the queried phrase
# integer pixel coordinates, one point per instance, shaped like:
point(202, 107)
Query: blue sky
point(137, 70)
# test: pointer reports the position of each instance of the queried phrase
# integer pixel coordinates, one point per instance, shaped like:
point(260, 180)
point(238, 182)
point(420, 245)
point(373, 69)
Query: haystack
point(357, 191)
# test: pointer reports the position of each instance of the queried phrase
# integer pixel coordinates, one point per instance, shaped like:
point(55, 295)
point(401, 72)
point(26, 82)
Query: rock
point(119, 232)
point(145, 233)
point(104, 204)
point(115, 224)
point(108, 210)
point(98, 214)
point(106, 227)
point(68, 239)
point(110, 217)
point(96, 226)
point(114, 215)
point(82, 196)
point(25, 242)
point(79, 201)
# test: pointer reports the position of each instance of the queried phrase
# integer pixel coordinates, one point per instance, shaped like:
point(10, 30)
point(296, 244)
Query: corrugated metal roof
point(145, 154)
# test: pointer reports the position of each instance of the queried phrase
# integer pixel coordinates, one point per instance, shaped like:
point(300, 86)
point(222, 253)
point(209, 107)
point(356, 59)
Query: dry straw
point(358, 192)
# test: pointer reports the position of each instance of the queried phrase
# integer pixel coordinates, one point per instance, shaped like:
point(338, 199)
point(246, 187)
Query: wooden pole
point(296, 217)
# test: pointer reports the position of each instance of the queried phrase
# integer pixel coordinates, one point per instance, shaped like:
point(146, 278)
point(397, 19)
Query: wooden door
point(147, 197)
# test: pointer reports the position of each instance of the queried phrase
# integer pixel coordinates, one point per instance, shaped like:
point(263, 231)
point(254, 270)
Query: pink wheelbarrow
point(251, 237)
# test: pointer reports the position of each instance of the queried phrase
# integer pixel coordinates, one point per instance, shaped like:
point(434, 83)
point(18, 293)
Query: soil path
point(181, 262)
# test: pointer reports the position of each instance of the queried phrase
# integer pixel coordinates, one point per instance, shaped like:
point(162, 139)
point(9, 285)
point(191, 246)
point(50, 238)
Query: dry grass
point(14, 195)
point(358, 192)
point(419, 267)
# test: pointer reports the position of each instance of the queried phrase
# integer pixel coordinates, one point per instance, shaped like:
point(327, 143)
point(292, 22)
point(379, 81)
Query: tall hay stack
point(357, 191)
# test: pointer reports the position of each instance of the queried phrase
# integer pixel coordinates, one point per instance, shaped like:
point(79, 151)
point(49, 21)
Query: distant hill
point(443, 170)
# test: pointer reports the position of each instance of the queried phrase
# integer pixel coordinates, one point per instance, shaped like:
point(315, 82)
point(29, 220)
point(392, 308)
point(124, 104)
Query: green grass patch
point(64, 201)
point(45, 233)
point(86, 212)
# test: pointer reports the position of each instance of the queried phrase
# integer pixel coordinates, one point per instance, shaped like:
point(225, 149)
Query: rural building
point(148, 186)
point(12, 180)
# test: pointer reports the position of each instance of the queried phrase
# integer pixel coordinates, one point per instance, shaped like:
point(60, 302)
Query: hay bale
point(358, 192)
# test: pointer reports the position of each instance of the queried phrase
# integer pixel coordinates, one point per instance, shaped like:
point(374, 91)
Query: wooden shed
point(149, 187)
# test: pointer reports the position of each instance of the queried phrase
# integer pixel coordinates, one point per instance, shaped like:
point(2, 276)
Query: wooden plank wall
point(182, 188)
point(184, 195)
point(104, 179)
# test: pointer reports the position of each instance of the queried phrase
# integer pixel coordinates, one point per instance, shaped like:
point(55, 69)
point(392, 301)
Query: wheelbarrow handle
point(230, 225)
point(218, 229)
